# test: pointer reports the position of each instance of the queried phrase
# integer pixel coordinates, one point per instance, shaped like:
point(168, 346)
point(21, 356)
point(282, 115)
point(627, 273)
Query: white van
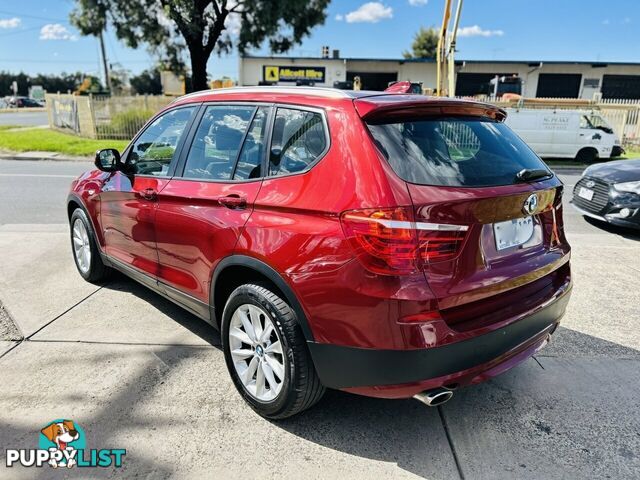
point(583, 135)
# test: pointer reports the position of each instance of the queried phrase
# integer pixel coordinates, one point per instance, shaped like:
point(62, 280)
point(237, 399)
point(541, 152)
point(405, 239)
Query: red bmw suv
point(384, 244)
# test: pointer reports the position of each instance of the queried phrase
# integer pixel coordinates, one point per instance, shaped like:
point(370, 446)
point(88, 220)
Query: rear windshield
point(466, 152)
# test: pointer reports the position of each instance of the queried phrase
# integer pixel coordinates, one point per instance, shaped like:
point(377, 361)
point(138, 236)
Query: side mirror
point(108, 160)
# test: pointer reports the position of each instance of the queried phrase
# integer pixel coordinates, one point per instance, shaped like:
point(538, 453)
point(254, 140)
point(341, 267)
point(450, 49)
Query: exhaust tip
point(434, 397)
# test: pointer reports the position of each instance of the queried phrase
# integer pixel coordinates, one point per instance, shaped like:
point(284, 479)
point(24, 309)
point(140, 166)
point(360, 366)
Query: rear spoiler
point(396, 106)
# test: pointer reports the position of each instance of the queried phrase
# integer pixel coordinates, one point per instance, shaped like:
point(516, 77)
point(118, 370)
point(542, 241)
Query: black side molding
point(273, 276)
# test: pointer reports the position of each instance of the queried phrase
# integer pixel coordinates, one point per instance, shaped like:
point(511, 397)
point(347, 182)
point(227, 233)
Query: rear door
point(203, 209)
point(481, 231)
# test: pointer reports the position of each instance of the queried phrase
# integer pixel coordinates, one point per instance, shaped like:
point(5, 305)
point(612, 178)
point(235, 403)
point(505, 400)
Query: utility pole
point(452, 51)
point(105, 65)
point(441, 53)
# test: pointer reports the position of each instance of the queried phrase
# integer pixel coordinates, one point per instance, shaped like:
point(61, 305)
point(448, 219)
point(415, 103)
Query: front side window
point(217, 142)
point(467, 152)
point(298, 139)
point(154, 150)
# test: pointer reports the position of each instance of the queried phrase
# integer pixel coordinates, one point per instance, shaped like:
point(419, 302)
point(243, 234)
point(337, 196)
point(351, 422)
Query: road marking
point(36, 175)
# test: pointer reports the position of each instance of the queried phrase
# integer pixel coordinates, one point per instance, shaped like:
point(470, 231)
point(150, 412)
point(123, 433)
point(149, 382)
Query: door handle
point(149, 194)
point(233, 201)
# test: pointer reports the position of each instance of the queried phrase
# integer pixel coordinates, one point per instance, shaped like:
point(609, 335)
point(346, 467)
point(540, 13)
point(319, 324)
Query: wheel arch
point(590, 149)
point(74, 202)
point(235, 270)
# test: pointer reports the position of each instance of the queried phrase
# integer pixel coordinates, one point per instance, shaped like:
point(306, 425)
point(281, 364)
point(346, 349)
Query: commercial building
point(540, 79)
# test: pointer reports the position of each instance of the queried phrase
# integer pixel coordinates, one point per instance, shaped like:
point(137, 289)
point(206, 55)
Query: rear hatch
point(487, 210)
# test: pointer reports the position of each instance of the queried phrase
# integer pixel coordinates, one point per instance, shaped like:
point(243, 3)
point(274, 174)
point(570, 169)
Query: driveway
point(137, 372)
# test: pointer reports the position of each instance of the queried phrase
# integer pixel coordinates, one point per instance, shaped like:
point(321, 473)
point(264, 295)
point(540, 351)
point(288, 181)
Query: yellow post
point(440, 54)
point(452, 52)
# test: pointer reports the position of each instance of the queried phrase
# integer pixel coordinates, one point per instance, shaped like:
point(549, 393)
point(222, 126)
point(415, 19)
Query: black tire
point(587, 155)
point(301, 386)
point(97, 271)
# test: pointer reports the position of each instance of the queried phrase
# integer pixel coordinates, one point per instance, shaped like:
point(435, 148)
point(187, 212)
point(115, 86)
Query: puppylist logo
point(62, 443)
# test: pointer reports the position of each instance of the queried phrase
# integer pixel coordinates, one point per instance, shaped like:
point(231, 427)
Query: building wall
point(251, 71)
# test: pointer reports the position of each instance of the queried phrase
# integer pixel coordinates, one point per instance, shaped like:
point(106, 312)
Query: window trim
point(327, 135)
point(180, 168)
point(175, 161)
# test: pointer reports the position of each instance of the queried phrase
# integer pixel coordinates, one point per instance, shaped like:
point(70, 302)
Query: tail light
point(390, 242)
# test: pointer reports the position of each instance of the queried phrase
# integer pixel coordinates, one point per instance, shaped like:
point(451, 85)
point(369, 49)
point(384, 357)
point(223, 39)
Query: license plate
point(513, 232)
point(585, 193)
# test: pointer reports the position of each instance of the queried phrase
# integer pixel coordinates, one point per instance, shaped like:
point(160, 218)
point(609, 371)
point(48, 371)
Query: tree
point(148, 82)
point(51, 83)
point(201, 27)
point(425, 44)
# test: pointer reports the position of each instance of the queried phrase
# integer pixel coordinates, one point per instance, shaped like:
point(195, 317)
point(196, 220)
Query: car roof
point(368, 103)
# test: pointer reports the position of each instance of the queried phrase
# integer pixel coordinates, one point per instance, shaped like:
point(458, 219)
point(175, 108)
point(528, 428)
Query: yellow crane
point(445, 62)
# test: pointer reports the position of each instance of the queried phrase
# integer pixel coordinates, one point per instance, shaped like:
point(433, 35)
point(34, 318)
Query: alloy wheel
point(256, 351)
point(81, 246)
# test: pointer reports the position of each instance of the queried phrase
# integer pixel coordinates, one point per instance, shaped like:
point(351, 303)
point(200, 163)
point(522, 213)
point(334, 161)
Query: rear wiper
point(530, 174)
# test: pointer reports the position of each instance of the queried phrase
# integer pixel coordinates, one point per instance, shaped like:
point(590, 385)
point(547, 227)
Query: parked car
point(388, 245)
point(24, 102)
point(583, 136)
point(610, 192)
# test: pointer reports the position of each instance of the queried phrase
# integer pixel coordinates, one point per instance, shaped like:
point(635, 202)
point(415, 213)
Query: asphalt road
point(138, 372)
point(22, 117)
point(34, 192)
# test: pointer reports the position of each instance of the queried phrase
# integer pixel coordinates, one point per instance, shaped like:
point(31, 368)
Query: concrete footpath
point(136, 372)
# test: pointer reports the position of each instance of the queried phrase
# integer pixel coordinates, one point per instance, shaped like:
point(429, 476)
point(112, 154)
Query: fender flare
point(75, 198)
point(273, 276)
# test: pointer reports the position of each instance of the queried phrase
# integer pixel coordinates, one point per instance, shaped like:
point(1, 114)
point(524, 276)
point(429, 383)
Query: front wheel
point(85, 250)
point(266, 353)
point(587, 155)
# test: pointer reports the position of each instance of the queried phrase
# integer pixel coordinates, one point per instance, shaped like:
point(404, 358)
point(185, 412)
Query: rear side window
point(217, 142)
point(298, 139)
point(250, 159)
point(462, 152)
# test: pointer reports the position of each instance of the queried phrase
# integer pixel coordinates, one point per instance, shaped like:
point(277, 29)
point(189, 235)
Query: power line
point(21, 31)
point(71, 60)
point(26, 15)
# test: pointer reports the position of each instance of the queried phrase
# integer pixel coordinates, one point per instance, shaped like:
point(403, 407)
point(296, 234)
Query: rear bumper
point(405, 372)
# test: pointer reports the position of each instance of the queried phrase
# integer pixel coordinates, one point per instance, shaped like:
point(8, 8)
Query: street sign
point(36, 92)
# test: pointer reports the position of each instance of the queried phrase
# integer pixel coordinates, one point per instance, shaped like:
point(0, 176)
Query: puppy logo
point(62, 443)
point(64, 436)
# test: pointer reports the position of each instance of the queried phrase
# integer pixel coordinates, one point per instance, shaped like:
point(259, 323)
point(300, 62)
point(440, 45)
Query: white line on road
point(36, 175)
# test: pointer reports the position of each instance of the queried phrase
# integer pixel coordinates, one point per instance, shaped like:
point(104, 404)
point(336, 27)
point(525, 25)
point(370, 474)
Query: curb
point(41, 156)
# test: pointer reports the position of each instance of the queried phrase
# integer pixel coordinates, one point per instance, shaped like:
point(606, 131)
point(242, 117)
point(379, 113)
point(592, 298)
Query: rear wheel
point(85, 250)
point(266, 353)
point(587, 155)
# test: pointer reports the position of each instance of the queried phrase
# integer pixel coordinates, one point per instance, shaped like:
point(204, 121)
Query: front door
point(128, 199)
point(202, 211)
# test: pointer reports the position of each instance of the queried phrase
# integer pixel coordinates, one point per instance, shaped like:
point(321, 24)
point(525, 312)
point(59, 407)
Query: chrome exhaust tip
point(434, 397)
